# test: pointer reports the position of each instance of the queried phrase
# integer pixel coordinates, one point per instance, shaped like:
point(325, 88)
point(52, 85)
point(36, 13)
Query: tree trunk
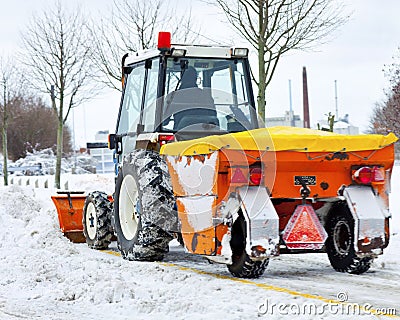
point(5, 154)
point(57, 178)
point(60, 118)
point(4, 136)
point(261, 80)
point(261, 61)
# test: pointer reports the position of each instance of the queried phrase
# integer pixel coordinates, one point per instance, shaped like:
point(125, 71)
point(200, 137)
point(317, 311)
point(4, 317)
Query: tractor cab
point(181, 92)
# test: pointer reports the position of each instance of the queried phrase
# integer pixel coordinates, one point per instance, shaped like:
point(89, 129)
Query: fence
point(36, 182)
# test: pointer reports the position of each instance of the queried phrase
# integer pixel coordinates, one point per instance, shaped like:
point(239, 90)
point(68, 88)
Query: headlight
point(239, 52)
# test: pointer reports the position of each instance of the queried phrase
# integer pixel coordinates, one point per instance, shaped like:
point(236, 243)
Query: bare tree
point(133, 26)
point(386, 114)
point(10, 83)
point(385, 118)
point(274, 27)
point(58, 59)
point(32, 126)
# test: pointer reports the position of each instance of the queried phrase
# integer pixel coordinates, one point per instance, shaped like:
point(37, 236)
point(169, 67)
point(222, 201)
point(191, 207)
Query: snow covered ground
point(44, 276)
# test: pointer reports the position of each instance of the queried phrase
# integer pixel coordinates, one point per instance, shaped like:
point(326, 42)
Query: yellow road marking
point(267, 287)
point(114, 253)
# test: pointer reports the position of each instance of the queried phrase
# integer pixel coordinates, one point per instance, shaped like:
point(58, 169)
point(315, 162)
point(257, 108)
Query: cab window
point(130, 109)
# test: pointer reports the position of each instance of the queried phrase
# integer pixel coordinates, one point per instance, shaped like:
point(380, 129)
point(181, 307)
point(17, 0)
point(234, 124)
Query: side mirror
point(112, 141)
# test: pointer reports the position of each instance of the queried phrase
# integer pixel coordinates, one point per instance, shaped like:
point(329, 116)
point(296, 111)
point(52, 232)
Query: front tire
point(340, 243)
point(143, 207)
point(242, 266)
point(96, 220)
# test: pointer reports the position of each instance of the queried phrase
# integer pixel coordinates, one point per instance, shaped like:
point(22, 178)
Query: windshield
point(207, 95)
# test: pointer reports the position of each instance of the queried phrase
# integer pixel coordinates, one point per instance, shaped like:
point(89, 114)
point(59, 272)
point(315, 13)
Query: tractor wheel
point(242, 266)
point(143, 207)
point(97, 220)
point(340, 243)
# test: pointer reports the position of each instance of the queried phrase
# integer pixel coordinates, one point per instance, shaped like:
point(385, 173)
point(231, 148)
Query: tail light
point(165, 138)
point(255, 176)
point(379, 174)
point(367, 175)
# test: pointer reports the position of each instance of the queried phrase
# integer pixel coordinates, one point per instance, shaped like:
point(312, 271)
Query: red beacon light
point(164, 41)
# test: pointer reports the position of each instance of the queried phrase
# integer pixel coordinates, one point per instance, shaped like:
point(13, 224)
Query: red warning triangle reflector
point(238, 176)
point(304, 231)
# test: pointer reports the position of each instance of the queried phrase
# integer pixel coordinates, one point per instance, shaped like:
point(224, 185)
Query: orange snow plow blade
point(69, 205)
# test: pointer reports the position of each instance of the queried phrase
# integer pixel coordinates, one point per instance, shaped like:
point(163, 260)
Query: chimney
point(306, 110)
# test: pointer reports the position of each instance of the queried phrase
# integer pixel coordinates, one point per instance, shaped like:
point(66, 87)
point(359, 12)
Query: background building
point(289, 119)
point(100, 152)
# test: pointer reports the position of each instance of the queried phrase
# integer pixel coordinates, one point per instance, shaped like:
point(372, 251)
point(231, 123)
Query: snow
point(198, 211)
point(44, 276)
point(195, 176)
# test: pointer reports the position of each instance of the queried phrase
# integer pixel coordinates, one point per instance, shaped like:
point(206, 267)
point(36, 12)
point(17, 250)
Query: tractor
point(193, 162)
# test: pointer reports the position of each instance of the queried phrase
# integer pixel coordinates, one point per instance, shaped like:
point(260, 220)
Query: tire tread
point(104, 210)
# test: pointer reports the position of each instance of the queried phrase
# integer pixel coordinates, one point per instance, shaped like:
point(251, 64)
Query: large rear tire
point(340, 242)
point(143, 207)
point(96, 220)
point(242, 266)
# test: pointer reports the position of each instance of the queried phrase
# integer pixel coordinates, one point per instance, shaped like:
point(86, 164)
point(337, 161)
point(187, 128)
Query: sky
point(354, 58)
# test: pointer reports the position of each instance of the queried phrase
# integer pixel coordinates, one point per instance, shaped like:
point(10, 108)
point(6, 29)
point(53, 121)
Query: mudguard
point(369, 217)
point(262, 239)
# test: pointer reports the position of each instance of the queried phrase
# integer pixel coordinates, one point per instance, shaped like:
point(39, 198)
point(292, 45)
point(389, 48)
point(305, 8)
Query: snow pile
point(44, 276)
